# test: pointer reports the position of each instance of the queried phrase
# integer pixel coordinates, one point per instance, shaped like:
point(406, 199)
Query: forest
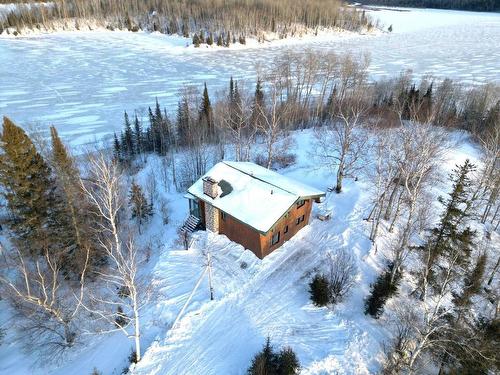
point(73, 263)
point(240, 18)
point(474, 5)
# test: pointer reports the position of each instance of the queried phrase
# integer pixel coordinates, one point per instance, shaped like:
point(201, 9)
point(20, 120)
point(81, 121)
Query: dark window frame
point(223, 215)
point(273, 241)
point(301, 203)
point(300, 220)
point(285, 231)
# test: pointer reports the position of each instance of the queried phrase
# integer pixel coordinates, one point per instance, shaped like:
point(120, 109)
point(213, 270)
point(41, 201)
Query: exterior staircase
point(191, 224)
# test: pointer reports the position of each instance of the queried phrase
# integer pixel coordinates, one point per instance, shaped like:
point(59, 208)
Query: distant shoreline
point(424, 4)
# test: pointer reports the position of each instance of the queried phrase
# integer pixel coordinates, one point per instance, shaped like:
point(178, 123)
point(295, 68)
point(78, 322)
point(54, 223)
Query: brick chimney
point(210, 187)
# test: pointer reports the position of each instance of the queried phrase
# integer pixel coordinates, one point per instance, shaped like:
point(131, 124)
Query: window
point(286, 229)
point(300, 219)
point(301, 203)
point(223, 215)
point(275, 239)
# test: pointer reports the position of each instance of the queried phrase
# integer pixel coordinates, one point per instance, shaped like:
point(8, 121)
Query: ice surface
point(101, 73)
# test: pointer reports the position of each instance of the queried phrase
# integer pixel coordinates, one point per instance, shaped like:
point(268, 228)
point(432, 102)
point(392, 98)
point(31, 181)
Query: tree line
point(311, 89)
point(475, 5)
point(221, 18)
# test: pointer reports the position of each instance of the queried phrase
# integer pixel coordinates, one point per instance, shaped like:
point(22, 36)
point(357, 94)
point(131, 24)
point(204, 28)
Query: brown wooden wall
point(293, 228)
point(241, 233)
point(258, 243)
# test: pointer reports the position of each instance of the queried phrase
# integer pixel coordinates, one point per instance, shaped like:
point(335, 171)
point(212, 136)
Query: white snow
point(259, 196)
point(115, 71)
point(253, 298)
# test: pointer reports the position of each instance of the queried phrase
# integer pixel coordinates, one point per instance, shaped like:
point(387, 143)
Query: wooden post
point(209, 259)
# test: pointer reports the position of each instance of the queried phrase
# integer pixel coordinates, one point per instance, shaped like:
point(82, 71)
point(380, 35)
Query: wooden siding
point(241, 233)
point(261, 244)
point(290, 220)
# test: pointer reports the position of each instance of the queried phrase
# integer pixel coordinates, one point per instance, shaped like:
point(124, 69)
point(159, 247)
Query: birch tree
point(122, 293)
point(48, 305)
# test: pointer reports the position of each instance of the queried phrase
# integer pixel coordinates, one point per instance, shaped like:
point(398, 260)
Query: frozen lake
point(81, 82)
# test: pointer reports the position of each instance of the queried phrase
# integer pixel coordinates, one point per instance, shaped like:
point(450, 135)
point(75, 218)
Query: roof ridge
point(260, 179)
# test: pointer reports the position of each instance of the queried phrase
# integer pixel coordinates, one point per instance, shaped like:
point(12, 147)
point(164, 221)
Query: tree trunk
point(340, 177)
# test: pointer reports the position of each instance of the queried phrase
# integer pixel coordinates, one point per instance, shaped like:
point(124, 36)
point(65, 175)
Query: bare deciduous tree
point(342, 274)
point(122, 293)
point(341, 145)
point(47, 304)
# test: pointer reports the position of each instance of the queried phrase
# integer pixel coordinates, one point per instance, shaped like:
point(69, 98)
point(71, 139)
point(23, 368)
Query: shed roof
point(259, 197)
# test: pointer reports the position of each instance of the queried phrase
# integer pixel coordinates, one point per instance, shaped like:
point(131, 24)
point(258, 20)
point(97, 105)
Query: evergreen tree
point(228, 39)
point(319, 290)
point(210, 39)
point(472, 283)
point(206, 114)
point(452, 236)
point(196, 40)
point(138, 136)
point(268, 362)
point(258, 104)
point(117, 153)
point(220, 41)
point(381, 290)
point(128, 139)
point(183, 123)
point(68, 179)
point(265, 362)
point(140, 208)
point(288, 363)
point(28, 188)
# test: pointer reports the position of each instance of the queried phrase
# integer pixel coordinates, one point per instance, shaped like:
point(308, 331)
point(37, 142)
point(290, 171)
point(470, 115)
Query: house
point(251, 205)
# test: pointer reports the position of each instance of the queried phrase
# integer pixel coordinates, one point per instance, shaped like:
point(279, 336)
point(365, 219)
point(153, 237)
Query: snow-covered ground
point(82, 81)
point(253, 298)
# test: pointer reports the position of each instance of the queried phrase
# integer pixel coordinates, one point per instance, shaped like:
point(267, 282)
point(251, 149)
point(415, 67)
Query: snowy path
point(269, 297)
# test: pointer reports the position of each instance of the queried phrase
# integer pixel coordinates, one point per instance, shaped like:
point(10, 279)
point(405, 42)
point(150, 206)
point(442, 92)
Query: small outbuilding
point(253, 206)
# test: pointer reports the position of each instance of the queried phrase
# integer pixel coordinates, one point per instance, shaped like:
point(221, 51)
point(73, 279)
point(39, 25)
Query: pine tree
point(451, 236)
point(183, 123)
point(206, 114)
point(228, 39)
point(265, 362)
point(319, 290)
point(288, 363)
point(138, 136)
point(196, 40)
point(210, 39)
point(472, 283)
point(258, 104)
point(140, 208)
point(128, 139)
point(28, 189)
point(220, 41)
point(117, 152)
point(68, 179)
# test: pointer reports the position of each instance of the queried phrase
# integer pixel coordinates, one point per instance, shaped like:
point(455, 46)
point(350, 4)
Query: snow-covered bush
point(381, 290)
point(319, 290)
point(95, 371)
point(269, 362)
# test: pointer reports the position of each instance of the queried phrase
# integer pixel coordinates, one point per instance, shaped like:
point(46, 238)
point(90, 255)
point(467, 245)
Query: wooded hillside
point(185, 17)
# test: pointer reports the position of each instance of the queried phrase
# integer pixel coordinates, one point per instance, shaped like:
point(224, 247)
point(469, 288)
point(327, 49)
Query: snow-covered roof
point(259, 197)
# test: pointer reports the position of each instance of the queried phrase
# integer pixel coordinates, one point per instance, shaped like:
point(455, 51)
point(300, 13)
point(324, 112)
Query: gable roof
point(259, 196)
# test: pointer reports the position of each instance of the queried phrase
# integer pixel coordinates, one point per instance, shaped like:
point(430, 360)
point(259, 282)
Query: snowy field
point(263, 298)
point(82, 81)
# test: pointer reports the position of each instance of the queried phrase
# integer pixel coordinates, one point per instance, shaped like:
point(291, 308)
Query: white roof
point(259, 196)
